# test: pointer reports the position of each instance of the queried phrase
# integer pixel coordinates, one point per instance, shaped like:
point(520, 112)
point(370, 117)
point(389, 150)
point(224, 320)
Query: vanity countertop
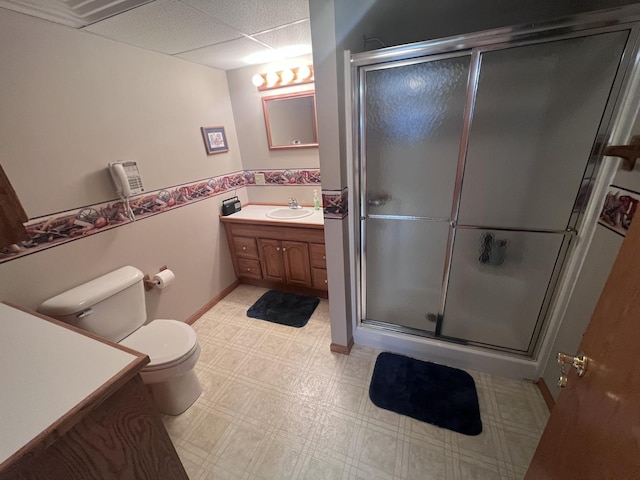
point(258, 213)
point(50, 375)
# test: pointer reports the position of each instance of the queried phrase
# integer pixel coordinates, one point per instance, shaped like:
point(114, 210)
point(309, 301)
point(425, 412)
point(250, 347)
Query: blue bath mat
point(284, 308)
point(426, 391)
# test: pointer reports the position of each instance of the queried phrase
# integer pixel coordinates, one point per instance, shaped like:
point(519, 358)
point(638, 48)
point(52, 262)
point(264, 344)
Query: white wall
point(252, 134)
point(71, 103)
point(594, 272)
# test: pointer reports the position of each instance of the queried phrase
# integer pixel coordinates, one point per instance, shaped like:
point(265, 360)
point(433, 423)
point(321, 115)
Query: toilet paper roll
point(163, 279)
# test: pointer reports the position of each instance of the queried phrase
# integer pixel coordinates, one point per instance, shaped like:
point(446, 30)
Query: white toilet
point(113, 307)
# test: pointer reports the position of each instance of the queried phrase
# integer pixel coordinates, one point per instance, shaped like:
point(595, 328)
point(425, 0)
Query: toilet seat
point(166, 342)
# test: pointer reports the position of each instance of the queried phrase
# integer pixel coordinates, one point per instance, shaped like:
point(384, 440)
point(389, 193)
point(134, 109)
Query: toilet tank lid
point(88, 294)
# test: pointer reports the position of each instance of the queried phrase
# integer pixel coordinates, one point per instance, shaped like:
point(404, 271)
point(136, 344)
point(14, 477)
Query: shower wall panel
point(536, 116)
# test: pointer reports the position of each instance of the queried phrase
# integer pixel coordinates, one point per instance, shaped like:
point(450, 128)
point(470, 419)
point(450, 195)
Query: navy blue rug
point(284, 308)
point(426, 391)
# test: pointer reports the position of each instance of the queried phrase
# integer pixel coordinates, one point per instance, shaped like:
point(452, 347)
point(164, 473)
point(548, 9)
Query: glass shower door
point(411, 123)
point(537, 113)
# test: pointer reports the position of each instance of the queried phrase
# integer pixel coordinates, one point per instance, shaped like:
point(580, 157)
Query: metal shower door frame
point(475, 45)
point(363, 213)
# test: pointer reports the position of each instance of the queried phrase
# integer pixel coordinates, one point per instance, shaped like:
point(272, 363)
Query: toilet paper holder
point(148, 281)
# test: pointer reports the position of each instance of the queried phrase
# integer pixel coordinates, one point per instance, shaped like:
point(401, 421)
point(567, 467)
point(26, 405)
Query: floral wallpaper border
point(619, 209)
point(335, 203)
point(53, 230)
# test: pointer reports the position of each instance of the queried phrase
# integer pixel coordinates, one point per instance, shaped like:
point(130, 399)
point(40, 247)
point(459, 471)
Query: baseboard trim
point(345, 350)
point(546, 393)
point(212, 302)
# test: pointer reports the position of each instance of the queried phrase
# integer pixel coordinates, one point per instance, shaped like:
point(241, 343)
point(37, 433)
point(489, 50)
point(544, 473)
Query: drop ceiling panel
point(72, 13)
point(253, 16)
point(298, 34)
point(225, 56)
point(217, 33)
point(166, 26)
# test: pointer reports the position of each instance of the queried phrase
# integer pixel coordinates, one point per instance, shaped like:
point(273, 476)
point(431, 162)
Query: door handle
point(579, 362)
point(378, 201)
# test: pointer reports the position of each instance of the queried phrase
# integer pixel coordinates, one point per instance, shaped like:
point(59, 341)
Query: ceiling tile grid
point(166, 26)
point(253, 16)
point(227, 55)
point(298, 34)
point(218, 33)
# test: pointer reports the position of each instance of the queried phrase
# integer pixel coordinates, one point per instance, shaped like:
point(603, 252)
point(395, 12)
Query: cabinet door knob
point(278, 249)
point(244, 248)
point(324, 257)
point(248, 269)
point(325, 281)
point(284, 249)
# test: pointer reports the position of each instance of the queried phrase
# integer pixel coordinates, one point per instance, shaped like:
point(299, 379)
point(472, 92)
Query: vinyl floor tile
point(278, 404)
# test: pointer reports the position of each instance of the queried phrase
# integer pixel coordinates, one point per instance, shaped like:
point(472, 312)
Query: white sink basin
point(289, 213)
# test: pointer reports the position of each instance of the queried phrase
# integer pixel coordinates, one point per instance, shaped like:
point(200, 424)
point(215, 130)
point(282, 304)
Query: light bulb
point(287, 76)
point(257, 80)
point(272, 79)
point(303, 73)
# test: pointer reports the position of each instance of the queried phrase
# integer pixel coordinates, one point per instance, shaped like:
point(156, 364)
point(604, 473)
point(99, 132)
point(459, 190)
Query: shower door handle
point(378, 201)
point(579, 362)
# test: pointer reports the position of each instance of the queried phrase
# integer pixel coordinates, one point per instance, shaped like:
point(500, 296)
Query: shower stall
point(475, 158)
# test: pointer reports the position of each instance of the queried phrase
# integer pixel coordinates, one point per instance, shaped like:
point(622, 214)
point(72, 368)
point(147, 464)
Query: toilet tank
point(111, 306)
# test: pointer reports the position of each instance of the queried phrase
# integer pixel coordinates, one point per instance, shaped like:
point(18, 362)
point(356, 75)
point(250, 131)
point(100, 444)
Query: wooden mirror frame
point(267, 122)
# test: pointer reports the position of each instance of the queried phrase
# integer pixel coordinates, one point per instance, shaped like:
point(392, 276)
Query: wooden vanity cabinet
point(285, 261)
point(272, 259)
point(285, 256)
point(318, 261)
point(248, 263)
point(296, 263)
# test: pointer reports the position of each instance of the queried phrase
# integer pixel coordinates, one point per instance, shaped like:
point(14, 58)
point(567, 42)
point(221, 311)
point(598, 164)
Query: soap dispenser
point(316, 200)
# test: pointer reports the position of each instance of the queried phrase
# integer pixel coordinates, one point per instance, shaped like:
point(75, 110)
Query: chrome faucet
point(293, 203)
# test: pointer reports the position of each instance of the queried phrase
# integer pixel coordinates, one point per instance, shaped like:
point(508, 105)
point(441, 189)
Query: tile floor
point(277, 404)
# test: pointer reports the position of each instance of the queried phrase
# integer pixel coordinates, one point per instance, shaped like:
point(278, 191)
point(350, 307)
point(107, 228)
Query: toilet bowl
point(113, 306)
point(173, 350)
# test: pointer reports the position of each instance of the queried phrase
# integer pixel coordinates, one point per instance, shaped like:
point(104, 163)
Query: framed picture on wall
point(215, 141)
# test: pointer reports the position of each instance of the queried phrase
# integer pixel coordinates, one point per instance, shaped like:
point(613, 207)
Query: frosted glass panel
point(497, 285)
point(405, 265)
point(536, 116)
point(414, 119)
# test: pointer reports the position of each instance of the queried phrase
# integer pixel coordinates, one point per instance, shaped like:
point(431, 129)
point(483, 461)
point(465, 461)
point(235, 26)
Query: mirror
point(291, 120)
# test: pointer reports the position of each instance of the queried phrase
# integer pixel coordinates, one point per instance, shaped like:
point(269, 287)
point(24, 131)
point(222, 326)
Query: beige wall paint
point(333, 161)
point(252, 134)
point(189, 240)
point(71, 103)
point(280, 195)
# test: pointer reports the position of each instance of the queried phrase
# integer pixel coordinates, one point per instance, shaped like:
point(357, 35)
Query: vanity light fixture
point(272, 79)
point(283, 78)
point(257, 80)
point(286, 76)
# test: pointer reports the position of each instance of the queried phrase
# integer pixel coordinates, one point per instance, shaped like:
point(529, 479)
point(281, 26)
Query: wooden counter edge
point(226, 219)
point(75, 415)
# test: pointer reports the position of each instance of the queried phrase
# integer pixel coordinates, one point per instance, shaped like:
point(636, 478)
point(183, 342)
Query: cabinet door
point(271, 254)
point(296, 263)
point(249, 268)
point(318, 255)
point(245, 247)
point(319, 278)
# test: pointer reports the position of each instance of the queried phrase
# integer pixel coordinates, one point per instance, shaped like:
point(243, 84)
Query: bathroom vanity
point(74, 406)
point(276, 251)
